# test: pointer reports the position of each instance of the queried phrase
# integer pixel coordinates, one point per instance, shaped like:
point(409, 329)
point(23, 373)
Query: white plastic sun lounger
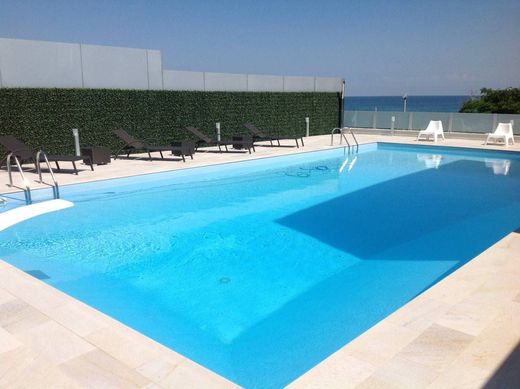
point(434, 130)
point(504, 132)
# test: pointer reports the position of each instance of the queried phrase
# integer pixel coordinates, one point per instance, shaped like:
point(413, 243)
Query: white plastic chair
point(434, 129)
point(504, 132)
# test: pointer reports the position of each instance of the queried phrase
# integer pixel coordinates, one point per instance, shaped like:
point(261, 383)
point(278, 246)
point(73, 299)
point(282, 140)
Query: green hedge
point(45, 117)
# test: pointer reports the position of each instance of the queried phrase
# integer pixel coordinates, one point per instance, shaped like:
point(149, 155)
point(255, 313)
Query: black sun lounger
point(236, 142)
point(260, 136)
point(24, 153)
point(135, 145)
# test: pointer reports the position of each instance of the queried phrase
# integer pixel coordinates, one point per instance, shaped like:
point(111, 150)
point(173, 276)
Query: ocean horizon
point(435, 103)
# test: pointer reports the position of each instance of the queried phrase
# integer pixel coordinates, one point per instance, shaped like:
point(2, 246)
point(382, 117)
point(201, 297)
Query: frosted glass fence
point(452, 122)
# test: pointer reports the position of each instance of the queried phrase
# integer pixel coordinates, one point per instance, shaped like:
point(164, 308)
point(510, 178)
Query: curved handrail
point(353, 136)
point(55, 187)
point(342, 136)
point(26, 183)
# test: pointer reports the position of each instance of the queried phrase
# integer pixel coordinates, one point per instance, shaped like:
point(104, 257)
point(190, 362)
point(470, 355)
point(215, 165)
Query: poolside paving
point(459, 333)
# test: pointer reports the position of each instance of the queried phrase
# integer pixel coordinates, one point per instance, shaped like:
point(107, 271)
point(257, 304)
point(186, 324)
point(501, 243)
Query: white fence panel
point(114, 67)
point(328, 84)
point(36, 64)
point(40, 64)
point(155, 76)
point(264, 83)
point(183, 80)
point(298, 84)
point(225, 82)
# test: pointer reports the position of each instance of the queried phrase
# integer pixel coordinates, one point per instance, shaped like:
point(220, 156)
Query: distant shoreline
point(415, 103)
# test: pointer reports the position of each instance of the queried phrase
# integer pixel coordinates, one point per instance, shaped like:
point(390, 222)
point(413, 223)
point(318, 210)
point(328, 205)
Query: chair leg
point(160, 152)
point(301, 140)
point(225, 146)
point(297, 145)
point(183, 159)
point(91, 164)
point(57, 165)
point(75, 168)
point(150, 156)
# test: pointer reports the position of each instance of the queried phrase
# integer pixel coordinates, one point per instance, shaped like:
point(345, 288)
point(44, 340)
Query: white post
point(75, 134)
point(306, 126)
point(392, 126)
point(217, 126)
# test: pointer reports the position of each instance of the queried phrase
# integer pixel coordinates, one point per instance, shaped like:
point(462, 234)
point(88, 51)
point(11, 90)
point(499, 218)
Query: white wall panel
point(298, 84)
point(33, 64)
point(114, 67)
point(225, 82)
point(155, 74)
point(328, 84)
point(183, 80)
point(264, 83)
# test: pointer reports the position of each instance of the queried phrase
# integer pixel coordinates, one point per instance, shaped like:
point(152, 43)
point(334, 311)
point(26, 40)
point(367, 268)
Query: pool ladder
point(26, 183)
point(343, 132)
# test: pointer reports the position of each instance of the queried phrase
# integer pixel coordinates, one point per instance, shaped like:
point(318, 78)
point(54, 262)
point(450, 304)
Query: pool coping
point(104, 347)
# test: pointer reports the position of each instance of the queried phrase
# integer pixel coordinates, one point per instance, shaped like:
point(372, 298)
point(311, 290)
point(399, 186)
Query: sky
point(443, 47)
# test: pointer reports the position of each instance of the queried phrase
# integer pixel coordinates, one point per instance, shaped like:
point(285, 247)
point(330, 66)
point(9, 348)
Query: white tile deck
point(456, 334)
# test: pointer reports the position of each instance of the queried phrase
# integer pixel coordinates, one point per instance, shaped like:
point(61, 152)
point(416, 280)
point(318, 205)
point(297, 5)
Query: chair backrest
point(17, 147)
point(127, 138)
point(504, 129)
point(195, 131)
point(435, 126)
point(251, 127)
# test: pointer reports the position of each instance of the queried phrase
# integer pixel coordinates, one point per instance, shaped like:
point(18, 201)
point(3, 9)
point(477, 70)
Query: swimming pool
point(259, 270)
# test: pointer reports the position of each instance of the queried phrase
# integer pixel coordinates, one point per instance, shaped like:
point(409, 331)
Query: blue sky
point(380, 47)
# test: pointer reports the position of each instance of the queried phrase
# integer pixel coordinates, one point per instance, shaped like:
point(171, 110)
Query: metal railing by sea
point(478, 123)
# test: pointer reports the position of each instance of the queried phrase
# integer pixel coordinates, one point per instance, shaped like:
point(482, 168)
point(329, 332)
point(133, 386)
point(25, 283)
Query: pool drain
point(224, 280)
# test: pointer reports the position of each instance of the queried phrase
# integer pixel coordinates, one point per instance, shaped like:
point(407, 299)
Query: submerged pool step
point(13, 216)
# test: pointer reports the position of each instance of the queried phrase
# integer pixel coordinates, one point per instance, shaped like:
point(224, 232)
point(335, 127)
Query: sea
point(414, 103)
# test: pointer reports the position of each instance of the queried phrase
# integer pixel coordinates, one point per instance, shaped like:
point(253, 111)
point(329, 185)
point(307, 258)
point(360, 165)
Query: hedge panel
point(45, 117)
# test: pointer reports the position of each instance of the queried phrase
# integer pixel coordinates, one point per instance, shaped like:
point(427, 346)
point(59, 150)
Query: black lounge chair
point(135, 145)
point(237, 142)
point(260, 136)
point(24, 153)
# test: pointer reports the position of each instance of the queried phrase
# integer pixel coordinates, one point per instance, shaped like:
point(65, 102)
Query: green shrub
point(45, 117)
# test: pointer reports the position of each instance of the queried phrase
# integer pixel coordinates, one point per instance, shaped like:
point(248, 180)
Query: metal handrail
point(353, 136)
point(27, 189)
point(55, 186)
point(342, 136)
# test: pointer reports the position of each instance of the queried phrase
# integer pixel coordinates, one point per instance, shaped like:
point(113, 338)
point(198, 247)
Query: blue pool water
point(259, 270)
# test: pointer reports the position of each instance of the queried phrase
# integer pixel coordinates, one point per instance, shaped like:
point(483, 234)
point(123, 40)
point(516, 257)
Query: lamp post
point(217, 127)
point(405, 98)
point(75, 134)
point(307, 127)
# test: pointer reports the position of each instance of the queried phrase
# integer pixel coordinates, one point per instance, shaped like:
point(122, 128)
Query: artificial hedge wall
point(45, 117)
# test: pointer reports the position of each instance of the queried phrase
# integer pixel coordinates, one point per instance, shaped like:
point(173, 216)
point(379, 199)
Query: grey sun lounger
point(26, 154)
point(260, 136)
point(133, 145)
point(236, 142)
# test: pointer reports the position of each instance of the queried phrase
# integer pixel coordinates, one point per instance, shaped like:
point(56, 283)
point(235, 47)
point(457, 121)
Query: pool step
point(19, 214)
